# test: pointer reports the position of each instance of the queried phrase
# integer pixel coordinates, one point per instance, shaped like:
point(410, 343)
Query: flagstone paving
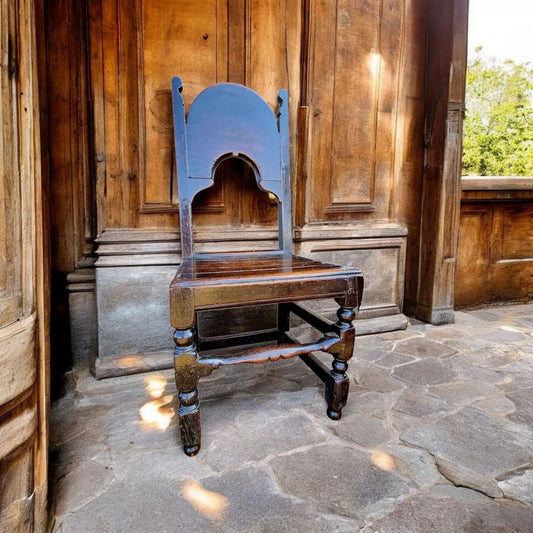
point(437, 436)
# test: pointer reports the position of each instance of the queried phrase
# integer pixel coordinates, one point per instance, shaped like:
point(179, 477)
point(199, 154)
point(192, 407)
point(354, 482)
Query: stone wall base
point(119, 304)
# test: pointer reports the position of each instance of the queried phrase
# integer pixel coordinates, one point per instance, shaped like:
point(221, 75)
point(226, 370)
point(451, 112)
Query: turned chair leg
point(337, 382)
point(186, 372)
point(284, 320)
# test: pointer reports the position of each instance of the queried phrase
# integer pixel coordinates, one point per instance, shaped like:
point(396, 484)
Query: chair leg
point(337, 382)
point(187, 374)
point(284, 320)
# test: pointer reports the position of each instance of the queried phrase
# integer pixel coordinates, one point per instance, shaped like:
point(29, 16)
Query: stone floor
point(437, 436)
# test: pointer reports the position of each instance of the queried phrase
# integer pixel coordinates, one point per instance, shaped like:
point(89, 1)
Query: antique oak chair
point(229, 120)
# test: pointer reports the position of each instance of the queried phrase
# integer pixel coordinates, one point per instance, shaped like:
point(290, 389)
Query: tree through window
point(498, 126)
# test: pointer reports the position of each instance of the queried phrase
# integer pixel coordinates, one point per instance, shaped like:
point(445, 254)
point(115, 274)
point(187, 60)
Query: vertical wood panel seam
point(23, 120)
point(302, 138)
point(286, 43)
point(141, 148)
point(395, 171)
point(331, 155)
point(73, 124)
point(310, 103)
point(99, 130)
point(17, 155)
point(377, 90)
point(247, 40)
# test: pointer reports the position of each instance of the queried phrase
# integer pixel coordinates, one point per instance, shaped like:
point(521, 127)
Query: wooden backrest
point(229, 120)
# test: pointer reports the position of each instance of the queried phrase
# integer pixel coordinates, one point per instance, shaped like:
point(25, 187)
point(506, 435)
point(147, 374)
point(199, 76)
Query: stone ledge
point(496, 183)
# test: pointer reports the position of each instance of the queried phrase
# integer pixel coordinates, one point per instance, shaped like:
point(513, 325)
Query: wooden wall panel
point(68, 141)
point(495, 256)
point(188, 40)
point(23, 300)
point(473, 254)
point(10, 191)
point(120, 64)
point(136, 48)
point(516, 224)
point(353, 76)
point(273, 57)
point(409, 142)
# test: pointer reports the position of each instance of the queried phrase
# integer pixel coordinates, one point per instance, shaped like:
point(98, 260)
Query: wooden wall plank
point(495, 255)
point(11, 281)
point(68, 141)
point(404, 206)
point(121, 112)
point(181, 41)
point(17, 360)
point(96, 90)
point(353, 80)
point(23, 347)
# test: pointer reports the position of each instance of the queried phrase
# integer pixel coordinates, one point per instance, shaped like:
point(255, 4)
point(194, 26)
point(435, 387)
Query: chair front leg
point(186, 371)
point(337, 382)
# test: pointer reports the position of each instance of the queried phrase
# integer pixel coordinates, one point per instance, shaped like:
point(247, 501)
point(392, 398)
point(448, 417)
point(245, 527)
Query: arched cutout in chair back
point(230, 120)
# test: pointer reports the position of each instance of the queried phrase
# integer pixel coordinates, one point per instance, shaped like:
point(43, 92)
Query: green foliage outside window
point(498, 126)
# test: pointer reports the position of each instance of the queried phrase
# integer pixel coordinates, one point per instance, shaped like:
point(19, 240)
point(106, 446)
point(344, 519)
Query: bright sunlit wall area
point(495, 258)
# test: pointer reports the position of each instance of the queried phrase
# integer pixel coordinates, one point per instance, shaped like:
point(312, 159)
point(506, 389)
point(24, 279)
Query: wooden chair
point(229, 120)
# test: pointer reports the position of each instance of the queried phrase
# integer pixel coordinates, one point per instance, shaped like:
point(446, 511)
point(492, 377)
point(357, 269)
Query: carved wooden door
point(23, 370)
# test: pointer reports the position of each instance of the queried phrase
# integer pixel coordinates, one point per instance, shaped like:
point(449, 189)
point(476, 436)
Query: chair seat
point(249, 280)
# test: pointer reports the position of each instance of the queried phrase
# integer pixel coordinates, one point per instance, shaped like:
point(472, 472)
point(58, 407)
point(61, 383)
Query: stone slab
point(455, 510)
point(340, 480)
point(424, 372)
point(518, 485)
point(272, 461)
point(363, 430)
point(420, 404)
point(473, 449)
point(422, 347)
point(371, 377)
point(464, 392)
point(413, 463)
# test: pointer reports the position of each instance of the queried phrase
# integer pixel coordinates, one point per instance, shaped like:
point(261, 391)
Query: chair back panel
point(230, 120)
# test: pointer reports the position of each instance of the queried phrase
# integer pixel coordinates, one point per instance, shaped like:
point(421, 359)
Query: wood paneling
point(136, 47)
point(235, 200)
point(121, 108)
point(409, 146)
point(474, 254)
point(495, 257)
point(11, 278)
point(431, 294)
point(516, 230)
point(348, 67)
point(353, 75)
point(190, 40)
point(23, 307)
point(67, 140)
